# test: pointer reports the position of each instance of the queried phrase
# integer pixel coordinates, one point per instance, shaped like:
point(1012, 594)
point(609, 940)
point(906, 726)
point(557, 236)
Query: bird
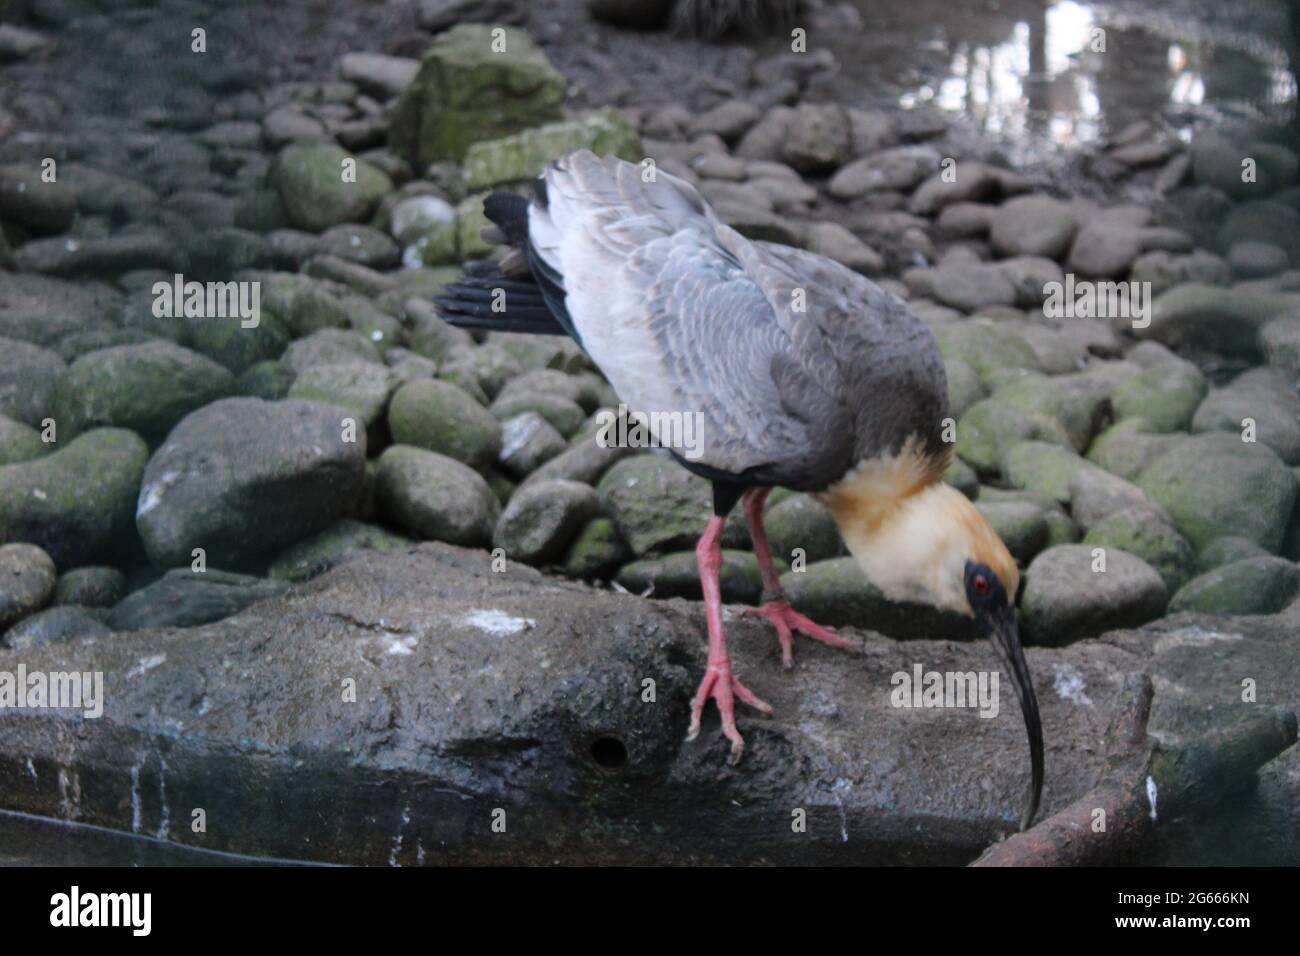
point(805, 374)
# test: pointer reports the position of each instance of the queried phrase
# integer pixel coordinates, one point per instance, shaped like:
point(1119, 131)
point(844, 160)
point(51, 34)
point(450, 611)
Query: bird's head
point(922, 541)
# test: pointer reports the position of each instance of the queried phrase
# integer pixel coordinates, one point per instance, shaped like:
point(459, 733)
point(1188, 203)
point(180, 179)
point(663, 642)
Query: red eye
point(980, 583)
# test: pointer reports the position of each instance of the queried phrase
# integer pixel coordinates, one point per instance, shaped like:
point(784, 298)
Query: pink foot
point(787, 620)
point(723, 687)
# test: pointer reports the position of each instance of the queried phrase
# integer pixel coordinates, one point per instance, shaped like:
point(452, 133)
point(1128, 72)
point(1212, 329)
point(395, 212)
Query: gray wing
point(684, 315)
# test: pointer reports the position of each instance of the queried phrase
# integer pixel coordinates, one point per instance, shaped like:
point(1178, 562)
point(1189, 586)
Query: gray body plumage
point(798, 366)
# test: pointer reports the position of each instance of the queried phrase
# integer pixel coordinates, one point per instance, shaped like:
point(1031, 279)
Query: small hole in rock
point(609, 752)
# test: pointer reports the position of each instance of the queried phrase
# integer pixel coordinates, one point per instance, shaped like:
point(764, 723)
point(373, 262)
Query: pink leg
point(775, 606)
point(718, 681)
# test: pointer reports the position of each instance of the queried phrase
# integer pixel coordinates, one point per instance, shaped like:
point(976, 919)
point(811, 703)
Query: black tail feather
point(497, 303)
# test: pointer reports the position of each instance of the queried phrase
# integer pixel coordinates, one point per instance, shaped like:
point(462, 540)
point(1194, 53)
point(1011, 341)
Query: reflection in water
point(1060, 72)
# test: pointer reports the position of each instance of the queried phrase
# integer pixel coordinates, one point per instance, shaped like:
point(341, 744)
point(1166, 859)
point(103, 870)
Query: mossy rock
point(317, 186)
point(678, 575)
point(474, 84)
point(523, 155)
point(438, 416)
point(1260, 585)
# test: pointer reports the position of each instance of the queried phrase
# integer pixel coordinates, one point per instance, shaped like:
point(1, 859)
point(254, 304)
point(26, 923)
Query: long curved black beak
point(1000, 627)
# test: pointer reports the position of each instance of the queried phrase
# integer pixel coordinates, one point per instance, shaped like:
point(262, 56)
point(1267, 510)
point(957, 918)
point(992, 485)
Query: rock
point(972, 286)
point(1264, 397)
point(53, 626)
point(360, 388)
point(268, 380)
point(377, 74)
point(818, 138)
point(656, 504)
point(1215, 484)
point(29, 379)
point(988, 347)
point(1260, 585)
point(290, 125)
point(76, 503)
point(228, 343)
point(992, 426)
point(974, 182)
point(466, 91)
point(434, 497)
point(1211, 317)
point(1165, 270)
point(729, 120)
point(597, 552)
point(1043, 467)
point(186, 598)
point(802, 522)
point(1279, 340)
point(330, 347)
point(341, 542)
point(91, 586)
point(360, 244)
point(540, 520)
point(1148, 534)
point(1096, 494)
point(677, 575)
point(964, 386)
point(310, 180)
point(27, 200)
point(440, 417)
point(835, 242)
point(1032, 226)
point(1104, 249)
point(1252, 260)
point(1220, 163)
point(1021, 525)
point(1264, 221)
point(242, 478)
point(585, 460)
point(109, 256)
point(565, 415)
point(528, 441)
point(1065, 600)
point(900, 168)
point(521, 156)
point(27, 579)
point(1165, 397)
point(836, 593)
point(1226, 550)
point(1127, 447)
point(17, 43)
point(147, 388)
point(19, 442)
point(544, 670)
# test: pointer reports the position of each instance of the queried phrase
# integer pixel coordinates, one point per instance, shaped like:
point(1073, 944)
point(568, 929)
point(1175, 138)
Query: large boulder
point(473, 85)
point(656, 503)
point(480, 693)
point(241, 478)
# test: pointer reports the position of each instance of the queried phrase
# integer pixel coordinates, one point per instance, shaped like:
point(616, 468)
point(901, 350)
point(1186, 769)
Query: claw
point(787, 620)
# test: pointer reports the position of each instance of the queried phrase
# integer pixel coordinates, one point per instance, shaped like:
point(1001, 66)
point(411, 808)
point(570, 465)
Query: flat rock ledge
point(485, 697)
